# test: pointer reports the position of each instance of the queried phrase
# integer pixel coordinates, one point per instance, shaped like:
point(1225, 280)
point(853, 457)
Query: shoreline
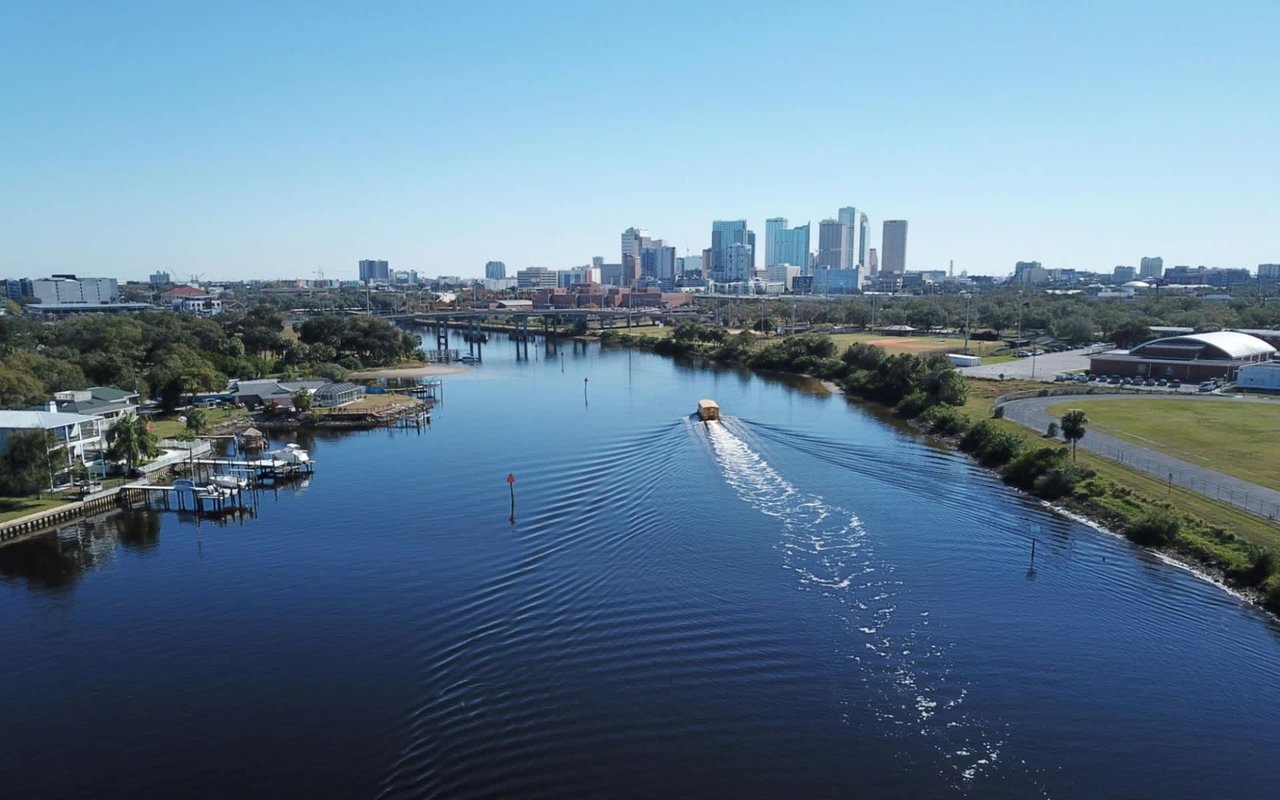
point(1200, 568)
point(424, 371)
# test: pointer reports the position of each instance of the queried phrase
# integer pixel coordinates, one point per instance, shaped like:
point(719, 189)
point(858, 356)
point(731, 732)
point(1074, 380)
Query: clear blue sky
point(272, 139)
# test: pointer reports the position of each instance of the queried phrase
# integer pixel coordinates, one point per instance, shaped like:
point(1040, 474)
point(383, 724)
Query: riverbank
point(1204, 535)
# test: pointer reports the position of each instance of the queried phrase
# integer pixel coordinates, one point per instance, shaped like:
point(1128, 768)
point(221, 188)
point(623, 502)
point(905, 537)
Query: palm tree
point(1073, 428)
point(197, 421)
point(131, 442)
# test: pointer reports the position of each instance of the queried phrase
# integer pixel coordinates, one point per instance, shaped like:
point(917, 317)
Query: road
point(1261, 500)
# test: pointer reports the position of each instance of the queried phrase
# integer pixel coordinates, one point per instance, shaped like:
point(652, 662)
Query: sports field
point(1240, 439)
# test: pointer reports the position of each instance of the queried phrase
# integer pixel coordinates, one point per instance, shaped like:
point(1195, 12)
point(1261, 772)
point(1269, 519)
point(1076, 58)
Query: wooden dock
point(185, 495)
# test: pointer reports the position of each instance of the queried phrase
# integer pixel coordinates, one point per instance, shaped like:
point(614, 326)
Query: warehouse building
point(1261, 377)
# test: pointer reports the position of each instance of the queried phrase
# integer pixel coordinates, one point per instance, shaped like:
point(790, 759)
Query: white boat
point(229, 482)
point(291, 454)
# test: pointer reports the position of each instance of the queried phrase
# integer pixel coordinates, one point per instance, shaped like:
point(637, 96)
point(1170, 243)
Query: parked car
point(1083, 378)
point(1175, 384)
point(1162, 382)
point(1149, 382)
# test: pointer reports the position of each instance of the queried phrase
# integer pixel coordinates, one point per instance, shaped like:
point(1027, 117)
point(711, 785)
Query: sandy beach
point(423, 371)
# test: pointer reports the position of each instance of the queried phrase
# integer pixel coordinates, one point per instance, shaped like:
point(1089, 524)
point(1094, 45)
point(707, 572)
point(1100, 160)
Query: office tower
point(160, 278)
point(725, 234)
point(68, 290)
point(495, 270)
point(634, 240)
point(862, 240)
point(737, 264)
point(1268, 272)
point(1152, 267)
point(751, 242)
point(772, 227)
point(658, 262)
point(830, 244)
point(1123, 274)
point(893, 246)
point(873, 263)
point(793, 247)
point(536, 278)
point(848, 217)
point(371, 270)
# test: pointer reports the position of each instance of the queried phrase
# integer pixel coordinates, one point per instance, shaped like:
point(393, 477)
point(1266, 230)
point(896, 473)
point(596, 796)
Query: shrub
point(913, 405)
point(1052, 430)
point(945, 420)
point(977, 436)
point(998, 413)
point(1001, 448)
point(1060, 480)
point(1155, 527)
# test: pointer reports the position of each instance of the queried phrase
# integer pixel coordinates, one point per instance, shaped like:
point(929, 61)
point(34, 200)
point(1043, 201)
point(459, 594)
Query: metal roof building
point(1190, 357)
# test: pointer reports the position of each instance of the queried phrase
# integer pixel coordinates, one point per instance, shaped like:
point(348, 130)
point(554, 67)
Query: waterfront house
point(79, 434)
point(262, 393)
point(107, 403)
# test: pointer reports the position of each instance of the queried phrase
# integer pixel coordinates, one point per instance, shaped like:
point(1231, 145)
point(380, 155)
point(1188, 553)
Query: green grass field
point(1238, 439)
point(173, 428)
point(14, 507)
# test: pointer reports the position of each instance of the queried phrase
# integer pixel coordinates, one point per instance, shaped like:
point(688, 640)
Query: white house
point(80, 434)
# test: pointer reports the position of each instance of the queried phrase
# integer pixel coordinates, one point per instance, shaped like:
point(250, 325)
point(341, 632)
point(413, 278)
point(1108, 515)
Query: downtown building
point(893, 247)
point(785, 245)
point(373, 271)
point(732, 251)
point(495, 270)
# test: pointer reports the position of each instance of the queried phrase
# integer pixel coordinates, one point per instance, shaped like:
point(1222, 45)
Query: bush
point(1060, 480)
point(998, 413)
point(913, 405)
point(1052, 430)
point(1156, 527)
point(977, 436)
point(1001, 448)
point(945, 420)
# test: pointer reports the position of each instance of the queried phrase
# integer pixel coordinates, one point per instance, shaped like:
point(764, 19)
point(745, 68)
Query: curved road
point(1261, 500)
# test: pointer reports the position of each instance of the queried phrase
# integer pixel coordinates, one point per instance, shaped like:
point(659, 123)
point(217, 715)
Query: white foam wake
point(900, 668)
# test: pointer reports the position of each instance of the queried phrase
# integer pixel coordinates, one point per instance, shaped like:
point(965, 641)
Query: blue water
point(804, 601)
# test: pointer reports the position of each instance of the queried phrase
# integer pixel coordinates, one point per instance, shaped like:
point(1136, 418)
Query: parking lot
point(1035, 368)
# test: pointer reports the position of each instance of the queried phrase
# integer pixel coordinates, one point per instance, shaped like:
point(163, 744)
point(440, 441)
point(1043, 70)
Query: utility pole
point(967, 297)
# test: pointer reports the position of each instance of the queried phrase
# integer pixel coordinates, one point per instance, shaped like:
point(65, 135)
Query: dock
point(185, 495)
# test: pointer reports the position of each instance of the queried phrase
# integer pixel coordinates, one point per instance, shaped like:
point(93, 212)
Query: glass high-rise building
point(772, 228)
point(893, 247)
point(495, 270)
point(371, 270)
point(848, 217)
point(862, 240)
point(725, 234)
point(830, 244)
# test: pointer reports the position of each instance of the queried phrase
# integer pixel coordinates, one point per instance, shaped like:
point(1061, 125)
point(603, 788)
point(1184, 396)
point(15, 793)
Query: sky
point(264, 140)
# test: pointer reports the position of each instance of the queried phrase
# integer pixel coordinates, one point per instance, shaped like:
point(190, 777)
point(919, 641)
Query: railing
point(1065, 391)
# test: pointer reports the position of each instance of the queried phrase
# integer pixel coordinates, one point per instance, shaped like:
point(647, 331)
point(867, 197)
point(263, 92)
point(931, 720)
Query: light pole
point(967, 297)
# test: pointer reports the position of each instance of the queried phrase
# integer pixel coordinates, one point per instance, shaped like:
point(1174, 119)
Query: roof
point(1231, 343)
point(48, 420)
point(184, 291)
point(337, 388)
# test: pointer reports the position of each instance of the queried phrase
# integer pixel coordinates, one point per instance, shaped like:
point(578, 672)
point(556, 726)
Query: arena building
point(1190, 357)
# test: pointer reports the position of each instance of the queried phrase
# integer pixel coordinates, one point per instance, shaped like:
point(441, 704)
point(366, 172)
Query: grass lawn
point(918, 344)
point(1239, 439)
point(1247, 526)
point(172, 427)
point(654, 331)
point(14, 507)
point(369, 402)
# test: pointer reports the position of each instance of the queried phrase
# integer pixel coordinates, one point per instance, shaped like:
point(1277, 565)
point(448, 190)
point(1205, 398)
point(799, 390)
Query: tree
point(1073, 428)
point(131, 442)
point(1130, 333)
point(30, 462)
point(302, 401)
point(197, 421)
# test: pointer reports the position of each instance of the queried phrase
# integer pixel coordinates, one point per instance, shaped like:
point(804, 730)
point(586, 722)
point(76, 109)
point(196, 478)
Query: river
point(803, 601)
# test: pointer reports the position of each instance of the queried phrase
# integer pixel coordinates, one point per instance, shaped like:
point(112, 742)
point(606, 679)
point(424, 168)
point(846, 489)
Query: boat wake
point(897, 663)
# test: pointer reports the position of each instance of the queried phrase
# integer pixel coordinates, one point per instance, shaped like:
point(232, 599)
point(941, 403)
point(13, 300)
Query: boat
point(708, 410)
point(228, 482)
point(291, 454)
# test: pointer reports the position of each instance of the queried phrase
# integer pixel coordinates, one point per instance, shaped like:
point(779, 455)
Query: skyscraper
point(658, 262)
point(793, 247)
point(737, 263)
point(371, 270)
point(725, 234)
point(1152, 267)
point(772, 227)
point(495, 270)
point(873, 263)
point(849, 244)
point(830, 244)
point(893, 245)
point(862, 240)
point(634, 240)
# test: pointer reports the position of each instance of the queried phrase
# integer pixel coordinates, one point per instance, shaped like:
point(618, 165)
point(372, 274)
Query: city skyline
point(1001, 133)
